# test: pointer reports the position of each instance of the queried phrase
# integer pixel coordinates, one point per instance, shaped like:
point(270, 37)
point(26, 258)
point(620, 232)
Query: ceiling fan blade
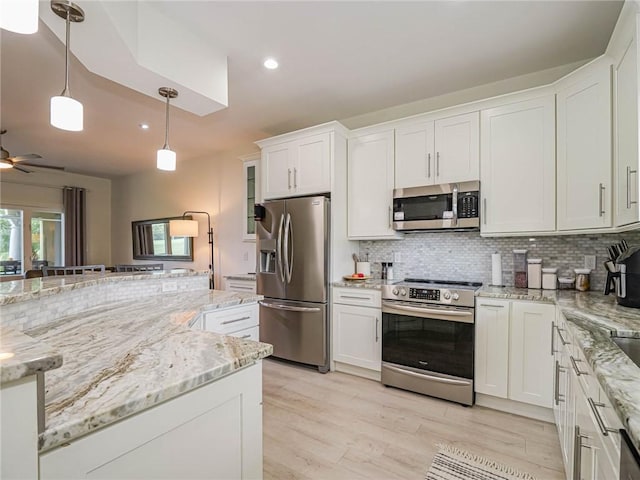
point(20, 169)
point(28, 156)
point(40, 166)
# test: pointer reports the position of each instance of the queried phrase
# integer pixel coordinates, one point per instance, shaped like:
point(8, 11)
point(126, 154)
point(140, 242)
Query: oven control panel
point(432, 294)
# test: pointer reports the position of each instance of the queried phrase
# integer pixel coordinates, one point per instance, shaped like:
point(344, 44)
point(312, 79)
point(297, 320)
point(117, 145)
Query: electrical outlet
point(590, 262)
point(397, 257)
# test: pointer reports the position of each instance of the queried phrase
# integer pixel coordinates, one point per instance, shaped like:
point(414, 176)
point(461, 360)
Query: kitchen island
point(139, 392)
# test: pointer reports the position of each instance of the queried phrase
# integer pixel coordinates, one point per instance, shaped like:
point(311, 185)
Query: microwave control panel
point(468, 205)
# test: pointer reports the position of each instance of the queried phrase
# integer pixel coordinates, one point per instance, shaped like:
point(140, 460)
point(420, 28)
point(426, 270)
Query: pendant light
point(166, 158)
point(66, 112)
point(19, 16)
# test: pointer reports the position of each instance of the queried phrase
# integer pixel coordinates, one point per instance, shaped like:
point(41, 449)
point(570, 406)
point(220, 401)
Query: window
point(251, 195)
point(30, 239)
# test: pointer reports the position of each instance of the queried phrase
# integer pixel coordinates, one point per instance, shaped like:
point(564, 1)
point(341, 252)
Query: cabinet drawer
point(242, 286)
point(252, 333)
point(232, 319)
point(610, 421)
point(357, 296)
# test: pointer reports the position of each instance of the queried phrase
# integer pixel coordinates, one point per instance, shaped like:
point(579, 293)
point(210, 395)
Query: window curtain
point(74, 201)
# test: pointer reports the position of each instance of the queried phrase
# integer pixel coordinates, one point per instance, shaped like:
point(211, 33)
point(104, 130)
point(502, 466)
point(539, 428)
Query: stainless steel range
point(428, 337)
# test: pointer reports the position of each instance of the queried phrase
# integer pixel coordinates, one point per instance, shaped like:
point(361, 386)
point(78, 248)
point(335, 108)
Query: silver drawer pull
point(491, 305)
point(355, 297)
point(594, 408)
point(574, 364)
point(564, 342)
point(238, 287)
point(246, 336)
point(227, 322)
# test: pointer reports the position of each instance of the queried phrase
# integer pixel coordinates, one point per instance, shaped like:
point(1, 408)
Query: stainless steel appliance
point(434, 207)
point(292, 274)
point(629, 458)
point(428, 337)
point(626, 278)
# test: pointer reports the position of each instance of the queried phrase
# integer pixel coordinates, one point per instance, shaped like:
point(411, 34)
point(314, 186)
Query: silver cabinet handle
point(601, 200)
point(289, 178)
point(246, 336)
point(493, 305)
point(564, 342)
point(629, 201)
point(428, 165)
point(355, 297)
point(377, 322)
point(437, 164)
point(553, 338)
point(295, 177)
point(603, 428)
point(484, 208)
point(574, 364)
point(390, 218)
point(558, 397)
point(235, 320)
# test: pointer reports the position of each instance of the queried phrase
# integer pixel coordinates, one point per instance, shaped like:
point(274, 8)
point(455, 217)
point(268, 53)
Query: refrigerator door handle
point(281, 306)
point(279, 249)
point(288, 247)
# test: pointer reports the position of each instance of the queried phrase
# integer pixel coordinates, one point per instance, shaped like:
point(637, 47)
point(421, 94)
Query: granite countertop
point(248, 277)
point(372, 283)
point(132, 355)
point(593, 319)
point(23, 290)
point(21, 355)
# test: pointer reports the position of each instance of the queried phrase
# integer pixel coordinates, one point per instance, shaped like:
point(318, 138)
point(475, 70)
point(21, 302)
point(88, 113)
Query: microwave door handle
point(454, 204)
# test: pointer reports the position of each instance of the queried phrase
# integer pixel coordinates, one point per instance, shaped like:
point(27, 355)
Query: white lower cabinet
point(357, 331)
point(512, 354)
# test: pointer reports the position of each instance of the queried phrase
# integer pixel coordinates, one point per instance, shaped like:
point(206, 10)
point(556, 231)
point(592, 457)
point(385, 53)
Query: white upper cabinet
point(300, 163)
point(415, 162)
point(370, 186)
point(517, 165)
point(457, 144)
point(626, 104)
point(442, 151)
point(584, 148)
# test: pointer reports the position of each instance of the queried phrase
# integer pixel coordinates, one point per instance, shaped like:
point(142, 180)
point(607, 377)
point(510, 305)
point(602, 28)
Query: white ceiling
point(337, 60)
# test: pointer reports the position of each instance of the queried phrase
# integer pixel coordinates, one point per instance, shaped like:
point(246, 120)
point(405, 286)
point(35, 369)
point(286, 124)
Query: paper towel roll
point(496, 269)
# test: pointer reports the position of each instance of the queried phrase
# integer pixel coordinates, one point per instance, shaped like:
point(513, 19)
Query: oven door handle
point(453, 315)
point(448, 381)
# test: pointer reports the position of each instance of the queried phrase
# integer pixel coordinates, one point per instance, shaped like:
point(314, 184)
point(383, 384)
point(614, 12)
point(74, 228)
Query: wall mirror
point(151, 241)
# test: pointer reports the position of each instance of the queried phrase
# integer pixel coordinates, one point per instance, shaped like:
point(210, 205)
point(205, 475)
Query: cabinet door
point(518, 167)
point(370, 186)
point(530, 360)
point(415, 162)
point(277, 171)
point(457, 148)
point(312, 165)
point(586, 445)
point(357, 336)
point(626, 136)
point(492, 347)
point(584, 151)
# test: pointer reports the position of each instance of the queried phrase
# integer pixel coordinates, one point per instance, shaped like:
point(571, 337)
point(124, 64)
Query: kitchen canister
point(582, 279)
point(549, 278)
point(520, 268)
point(534, 273)
point(566, 283)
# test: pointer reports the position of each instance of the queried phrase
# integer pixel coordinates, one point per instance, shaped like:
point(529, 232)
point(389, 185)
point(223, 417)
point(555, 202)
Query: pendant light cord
point(65, 92)
point(166, 131)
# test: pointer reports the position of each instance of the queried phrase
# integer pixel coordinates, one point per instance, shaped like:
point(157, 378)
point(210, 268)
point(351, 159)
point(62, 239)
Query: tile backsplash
point(467, 256)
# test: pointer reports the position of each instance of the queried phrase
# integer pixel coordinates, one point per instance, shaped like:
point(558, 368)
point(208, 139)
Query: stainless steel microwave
point(435, 207)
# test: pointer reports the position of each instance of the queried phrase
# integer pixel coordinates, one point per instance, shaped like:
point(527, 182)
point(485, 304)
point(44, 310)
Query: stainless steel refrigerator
point(292, 274)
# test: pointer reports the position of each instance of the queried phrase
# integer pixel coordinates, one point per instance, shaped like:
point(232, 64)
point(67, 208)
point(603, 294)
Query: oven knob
point(395, 291)
point(455, 296)
point(447, 295)
point(403, 292)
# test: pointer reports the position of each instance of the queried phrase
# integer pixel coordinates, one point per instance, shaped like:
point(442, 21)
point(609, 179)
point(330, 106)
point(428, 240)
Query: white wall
point(213, 185)
point(43, 189)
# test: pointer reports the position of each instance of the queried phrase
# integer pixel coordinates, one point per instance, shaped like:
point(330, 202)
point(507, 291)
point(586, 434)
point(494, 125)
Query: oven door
point(430, 338)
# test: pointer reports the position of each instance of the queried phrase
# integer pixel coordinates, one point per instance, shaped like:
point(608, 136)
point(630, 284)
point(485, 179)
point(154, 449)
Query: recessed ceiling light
point(271, 63)
point(144, 126)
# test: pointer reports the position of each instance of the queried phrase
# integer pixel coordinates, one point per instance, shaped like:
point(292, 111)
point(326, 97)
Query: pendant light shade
point(66, 112)
point(19, 16)
point(166, 158)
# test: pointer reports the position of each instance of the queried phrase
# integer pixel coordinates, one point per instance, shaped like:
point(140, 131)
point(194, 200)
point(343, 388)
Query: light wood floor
point(338, 426)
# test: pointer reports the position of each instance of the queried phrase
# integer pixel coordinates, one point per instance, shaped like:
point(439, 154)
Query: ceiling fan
point(7, 161)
